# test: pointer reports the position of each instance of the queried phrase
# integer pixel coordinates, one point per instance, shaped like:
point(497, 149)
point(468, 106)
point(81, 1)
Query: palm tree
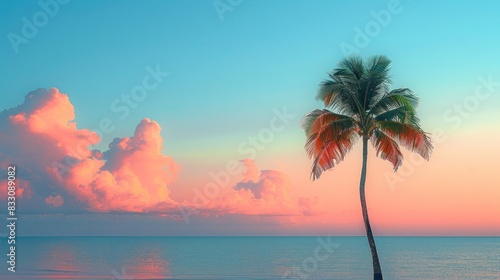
point(359, 104)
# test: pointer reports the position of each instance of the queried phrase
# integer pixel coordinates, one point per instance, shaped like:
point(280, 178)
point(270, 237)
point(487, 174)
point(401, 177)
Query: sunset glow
point(194, 128)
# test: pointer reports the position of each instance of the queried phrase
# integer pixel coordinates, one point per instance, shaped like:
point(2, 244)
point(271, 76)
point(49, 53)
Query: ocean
point(252, 258)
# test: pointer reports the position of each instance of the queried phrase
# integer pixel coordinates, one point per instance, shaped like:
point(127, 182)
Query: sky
point(183, 117)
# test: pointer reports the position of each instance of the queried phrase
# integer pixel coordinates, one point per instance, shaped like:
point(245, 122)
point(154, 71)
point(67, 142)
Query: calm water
point(252, 258)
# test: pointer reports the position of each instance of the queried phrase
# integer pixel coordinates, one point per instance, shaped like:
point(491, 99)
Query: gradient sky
point(229, 72)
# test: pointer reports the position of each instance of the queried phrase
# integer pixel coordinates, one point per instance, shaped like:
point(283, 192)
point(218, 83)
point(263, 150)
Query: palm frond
point(329, 138)
point(387, 149)
point(411, 137)
point(316, 120)
point(354, 85)
point(375, 81)
point(338, 97)
point(401, 97)
point(352, 65)
point(402, 114)
point(329, 151)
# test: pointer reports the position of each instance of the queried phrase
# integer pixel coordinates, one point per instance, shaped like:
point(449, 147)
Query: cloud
point(132, 175)
point(41, 137)
point(55, 201)
point(262, 192)
point(43, 127)
point(23, 189)
point(251, 173)
point(59, 172)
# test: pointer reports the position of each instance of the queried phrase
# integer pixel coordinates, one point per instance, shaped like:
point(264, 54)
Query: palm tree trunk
point(377, 271)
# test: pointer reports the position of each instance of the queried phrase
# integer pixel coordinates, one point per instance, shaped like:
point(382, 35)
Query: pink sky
point(456, 192)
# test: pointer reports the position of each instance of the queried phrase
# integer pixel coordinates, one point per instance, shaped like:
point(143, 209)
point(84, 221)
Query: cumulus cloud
point(131, 176)
point(58, 171)
point(55, 201)
point(261, 192)
point(23, 189)
point(41, 136)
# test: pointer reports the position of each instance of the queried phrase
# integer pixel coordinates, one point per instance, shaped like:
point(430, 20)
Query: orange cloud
point(42, 137)
point(132, 176)
point(262, 192)
point(55, 201)
point(23, 189)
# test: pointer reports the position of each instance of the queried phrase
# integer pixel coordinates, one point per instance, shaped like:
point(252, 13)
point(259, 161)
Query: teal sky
point(263, 54)
point(227, 73)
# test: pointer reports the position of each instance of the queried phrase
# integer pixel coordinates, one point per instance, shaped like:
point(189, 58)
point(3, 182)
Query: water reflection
point(62, 261)
point(148, 264)
point(249, 258)
point(95, 258)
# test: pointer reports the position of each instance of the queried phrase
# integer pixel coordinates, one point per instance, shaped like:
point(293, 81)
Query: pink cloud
point(23, 189)
point(251, 173)
point(42, 137)
point(132, 176)
point(261, 192)
point(48, 118)
point(55, 201)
